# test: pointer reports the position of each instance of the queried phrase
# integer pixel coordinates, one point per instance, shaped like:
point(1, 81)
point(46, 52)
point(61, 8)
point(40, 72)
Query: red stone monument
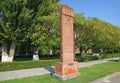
point(67, 68)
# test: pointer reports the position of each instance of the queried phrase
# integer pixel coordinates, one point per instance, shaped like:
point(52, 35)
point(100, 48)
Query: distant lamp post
point(1, 14)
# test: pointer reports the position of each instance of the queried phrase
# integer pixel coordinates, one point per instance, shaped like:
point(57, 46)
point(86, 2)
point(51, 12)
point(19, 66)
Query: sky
point(106, 10)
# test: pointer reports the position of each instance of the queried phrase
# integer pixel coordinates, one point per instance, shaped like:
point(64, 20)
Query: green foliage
point(26, 65)
point(25, 20)
point(45, 29)
point(16, 20)
point(87, 58)
point(95, 34)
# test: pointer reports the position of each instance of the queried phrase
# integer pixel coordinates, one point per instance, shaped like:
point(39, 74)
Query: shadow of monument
point(50, 69)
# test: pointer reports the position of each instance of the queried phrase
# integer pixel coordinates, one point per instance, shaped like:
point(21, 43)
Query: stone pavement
point(113, 78)
point(7, 75)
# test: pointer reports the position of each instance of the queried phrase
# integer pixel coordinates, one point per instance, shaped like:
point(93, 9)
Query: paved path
point(113, 78)
point(41, 71)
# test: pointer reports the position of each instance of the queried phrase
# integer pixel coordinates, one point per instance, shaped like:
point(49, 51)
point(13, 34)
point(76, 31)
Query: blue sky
point(107, 10)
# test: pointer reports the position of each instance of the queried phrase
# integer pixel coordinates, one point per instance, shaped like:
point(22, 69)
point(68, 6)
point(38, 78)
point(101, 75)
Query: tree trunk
point(51, 52)
point(112, 52)
point(4, 54)
point(119, 55)
point(12, 51)
point(86, 50)
point(35, 53)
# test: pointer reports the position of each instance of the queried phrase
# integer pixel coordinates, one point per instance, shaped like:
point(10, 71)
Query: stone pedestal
point(64, 71)
point(67, 68)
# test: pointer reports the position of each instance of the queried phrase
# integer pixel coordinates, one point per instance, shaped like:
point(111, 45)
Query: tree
point(20, 16)
point(79, 21)
point(17, 19)
point(95, 34)
point(83, 33)
point(45, 27)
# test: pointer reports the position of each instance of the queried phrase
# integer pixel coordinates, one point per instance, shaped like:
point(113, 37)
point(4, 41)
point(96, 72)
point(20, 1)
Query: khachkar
point(67, 68)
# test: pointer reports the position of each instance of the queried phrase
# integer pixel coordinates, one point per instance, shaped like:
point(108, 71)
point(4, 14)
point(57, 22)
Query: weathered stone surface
point(67, 44)
point(67, 68)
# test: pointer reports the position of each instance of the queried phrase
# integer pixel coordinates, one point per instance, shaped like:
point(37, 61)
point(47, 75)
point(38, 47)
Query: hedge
point(7, 66)
point(86, 58)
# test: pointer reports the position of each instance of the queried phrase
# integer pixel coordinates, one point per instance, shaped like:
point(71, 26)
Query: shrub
point(85, 58)
point(6, 66)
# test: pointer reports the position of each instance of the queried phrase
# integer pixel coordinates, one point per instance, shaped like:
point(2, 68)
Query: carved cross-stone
point(67, 68)
point(67, 45)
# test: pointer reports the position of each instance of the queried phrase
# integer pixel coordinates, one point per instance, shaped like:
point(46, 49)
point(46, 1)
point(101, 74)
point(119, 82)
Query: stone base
point(66, 70)
point(65, 77)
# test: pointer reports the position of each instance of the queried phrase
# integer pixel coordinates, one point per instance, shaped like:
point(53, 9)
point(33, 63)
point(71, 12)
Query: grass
point(8, 66)
point(88, 74)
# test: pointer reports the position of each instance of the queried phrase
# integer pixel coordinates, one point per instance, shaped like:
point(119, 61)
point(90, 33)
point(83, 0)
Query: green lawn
point(8, 66)
point(88, 74)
